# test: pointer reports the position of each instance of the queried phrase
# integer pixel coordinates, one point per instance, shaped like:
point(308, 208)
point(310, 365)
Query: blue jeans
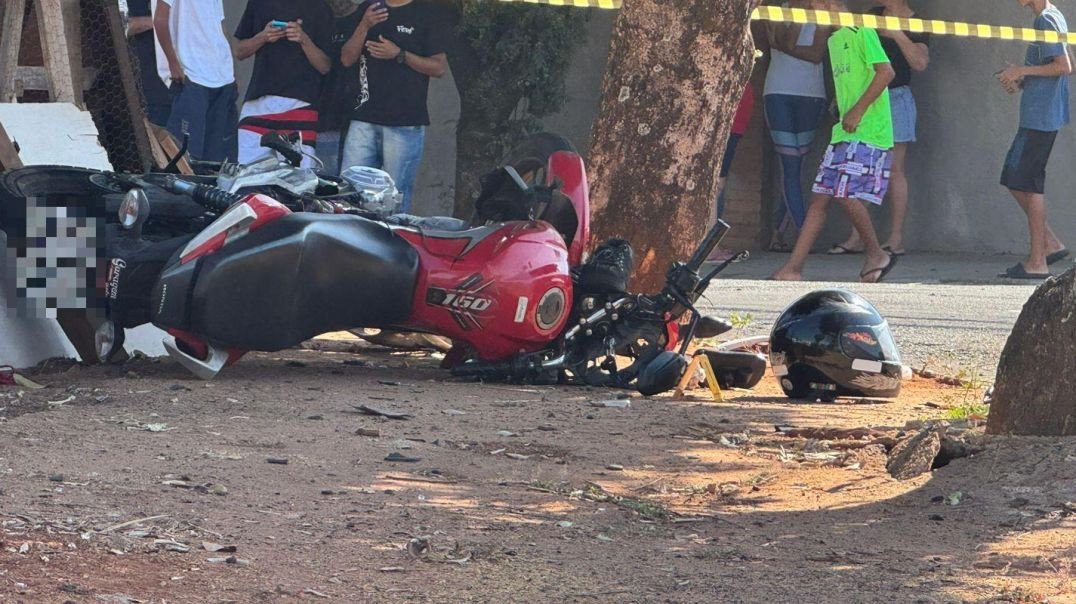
point(330, 146)
point(394, 149)
point(209, 116)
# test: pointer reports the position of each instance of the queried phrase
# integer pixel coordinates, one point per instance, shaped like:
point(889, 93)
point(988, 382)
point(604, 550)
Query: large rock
point(915, 454)
point(1035, 388)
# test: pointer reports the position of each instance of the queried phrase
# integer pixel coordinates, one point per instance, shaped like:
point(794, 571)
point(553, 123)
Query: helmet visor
point(872, 343)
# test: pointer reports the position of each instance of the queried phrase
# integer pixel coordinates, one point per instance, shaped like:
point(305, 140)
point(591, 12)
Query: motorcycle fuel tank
point(501, 290)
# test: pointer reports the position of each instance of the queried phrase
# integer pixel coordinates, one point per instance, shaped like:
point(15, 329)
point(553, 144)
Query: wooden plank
point(165, 147)
point(36, 78)
point(72, 13)
point(9, 156)
point(50, 25)
point(131, 90)
point(10, 42)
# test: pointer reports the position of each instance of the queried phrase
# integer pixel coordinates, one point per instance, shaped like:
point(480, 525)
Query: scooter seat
point(295, 278)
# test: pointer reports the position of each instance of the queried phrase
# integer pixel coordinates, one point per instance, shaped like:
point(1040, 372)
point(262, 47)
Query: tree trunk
point(675, 76)
point(1033, 392)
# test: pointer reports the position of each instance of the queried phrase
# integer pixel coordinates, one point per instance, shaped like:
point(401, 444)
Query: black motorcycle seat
point(295, 278)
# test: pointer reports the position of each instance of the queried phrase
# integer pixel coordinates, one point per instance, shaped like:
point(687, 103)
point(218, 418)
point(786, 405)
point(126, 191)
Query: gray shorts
point(905, 114)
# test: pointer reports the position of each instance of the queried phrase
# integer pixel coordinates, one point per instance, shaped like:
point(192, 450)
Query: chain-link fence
point(113, 95)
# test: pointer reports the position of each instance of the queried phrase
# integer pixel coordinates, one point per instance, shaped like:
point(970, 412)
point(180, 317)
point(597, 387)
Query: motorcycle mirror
point(711, 327)
point(134, 211)
point(661, 374)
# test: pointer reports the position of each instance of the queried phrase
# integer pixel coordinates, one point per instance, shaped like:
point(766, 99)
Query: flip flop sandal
point(840, 250)
point(1057, 256)
point(893, 252)
point(882, 272)
point(1017, 271)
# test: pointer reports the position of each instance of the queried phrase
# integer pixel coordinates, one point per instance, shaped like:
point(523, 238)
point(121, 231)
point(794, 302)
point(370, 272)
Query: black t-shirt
point(341, 86)
point(896, 56)
point(146, 51)
point(392, 94)
point(281, 68)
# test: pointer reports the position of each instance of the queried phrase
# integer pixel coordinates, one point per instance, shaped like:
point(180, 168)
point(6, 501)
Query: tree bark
point(1034, 389)
point(675, 76)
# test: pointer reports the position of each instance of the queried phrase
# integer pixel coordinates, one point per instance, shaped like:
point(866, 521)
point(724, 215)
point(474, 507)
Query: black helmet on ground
point(833, 343)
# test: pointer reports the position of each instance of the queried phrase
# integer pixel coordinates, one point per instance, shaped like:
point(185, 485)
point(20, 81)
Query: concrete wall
point(966, 125)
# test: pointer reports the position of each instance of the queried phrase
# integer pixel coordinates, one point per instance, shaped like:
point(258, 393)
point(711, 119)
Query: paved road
point(949, 327)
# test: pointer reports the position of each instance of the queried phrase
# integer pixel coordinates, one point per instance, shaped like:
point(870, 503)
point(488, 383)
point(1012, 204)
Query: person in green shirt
point(856, 166)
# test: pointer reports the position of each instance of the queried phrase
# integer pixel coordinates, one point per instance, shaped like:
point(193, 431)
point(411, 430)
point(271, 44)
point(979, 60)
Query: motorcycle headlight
point(378, 190)
point(105, 340)
point(135, 208)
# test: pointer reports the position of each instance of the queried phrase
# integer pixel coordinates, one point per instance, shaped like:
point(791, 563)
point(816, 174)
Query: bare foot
point(786, 275)
point(876, 267)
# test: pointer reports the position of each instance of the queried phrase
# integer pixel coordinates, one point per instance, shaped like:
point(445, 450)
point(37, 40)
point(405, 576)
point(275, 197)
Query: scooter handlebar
point(708, 245)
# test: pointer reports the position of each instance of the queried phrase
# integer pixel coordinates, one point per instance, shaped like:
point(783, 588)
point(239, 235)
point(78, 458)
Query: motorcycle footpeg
point(204, 370)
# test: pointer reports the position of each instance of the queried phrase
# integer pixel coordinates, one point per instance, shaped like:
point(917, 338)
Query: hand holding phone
point(279, 24)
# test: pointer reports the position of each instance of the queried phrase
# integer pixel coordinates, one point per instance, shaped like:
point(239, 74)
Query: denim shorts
point(905, 114)
point(1025, 165)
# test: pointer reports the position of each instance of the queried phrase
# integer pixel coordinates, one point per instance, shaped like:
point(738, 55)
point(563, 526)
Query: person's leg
point(876, 258)
point(1052, 242)
point(189, 107)
point(812, 228)
point(329, 151)
point(362, 146)
point(898, 199)
point(402, 150)
point(1034, 205)
point(221, 120)
point(792, 180)
point(726, 167)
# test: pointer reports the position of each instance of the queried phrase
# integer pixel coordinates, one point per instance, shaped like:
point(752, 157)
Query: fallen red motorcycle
point(511, 288)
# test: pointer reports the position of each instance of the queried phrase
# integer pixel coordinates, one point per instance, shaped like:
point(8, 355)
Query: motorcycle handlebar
point(211, 198)
point(708, 245)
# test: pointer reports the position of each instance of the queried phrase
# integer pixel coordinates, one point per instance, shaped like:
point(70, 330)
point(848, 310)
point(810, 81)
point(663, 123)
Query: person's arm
point(138, 25)
point(164, 38)
point(244, 49)
point(883, 75)
point(916, 53)
point(317, 58)
point(815, 53)
point(434, 66)
point(352, 50)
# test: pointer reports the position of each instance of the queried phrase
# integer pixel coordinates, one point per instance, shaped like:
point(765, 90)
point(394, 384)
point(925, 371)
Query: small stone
point(914, 455)
point(217, 489)
point(315, 417)
point(281, 461)
point(615, 467)
point(373, 432)
point(56, 477)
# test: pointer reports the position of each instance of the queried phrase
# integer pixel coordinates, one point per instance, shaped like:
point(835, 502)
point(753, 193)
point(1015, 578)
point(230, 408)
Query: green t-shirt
point(854, 52)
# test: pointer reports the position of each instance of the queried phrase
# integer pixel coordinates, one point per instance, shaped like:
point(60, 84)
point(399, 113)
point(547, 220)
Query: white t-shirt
point(199, 40)
point(792, 76)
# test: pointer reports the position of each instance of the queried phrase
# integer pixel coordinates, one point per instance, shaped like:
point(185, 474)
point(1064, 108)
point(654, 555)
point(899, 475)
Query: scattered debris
point(954, 498)
point(612, 404)
point(372, 432)
point(280, 461)
point(172, 545)
point(315, 593)
point(429, 479)
point(517, 456)
point(368, 410)
point(397, 457)
point(615, 467)
point(61, 402)
point(453, 412)
point(209, 546)
point(389, 383)
point(507, 433)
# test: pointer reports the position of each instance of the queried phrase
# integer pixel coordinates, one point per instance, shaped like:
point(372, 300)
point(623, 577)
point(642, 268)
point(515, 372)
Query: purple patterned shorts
point(854, 171)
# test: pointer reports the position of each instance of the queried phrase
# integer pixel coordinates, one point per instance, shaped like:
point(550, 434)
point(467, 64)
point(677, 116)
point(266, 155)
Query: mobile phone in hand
point(279, 24)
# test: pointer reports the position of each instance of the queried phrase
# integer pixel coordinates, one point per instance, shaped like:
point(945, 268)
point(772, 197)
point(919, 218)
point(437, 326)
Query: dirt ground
point(116, 482)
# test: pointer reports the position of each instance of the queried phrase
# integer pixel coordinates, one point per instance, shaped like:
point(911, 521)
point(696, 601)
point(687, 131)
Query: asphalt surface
point(955, 329)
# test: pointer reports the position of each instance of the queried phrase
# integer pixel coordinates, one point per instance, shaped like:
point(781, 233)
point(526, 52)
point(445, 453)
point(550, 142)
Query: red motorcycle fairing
point(567, 171)
point(254, 212)
point(500, 290)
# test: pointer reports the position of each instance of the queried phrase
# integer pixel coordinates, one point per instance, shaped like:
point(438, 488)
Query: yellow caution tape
point(841, 19)
point(930, 26)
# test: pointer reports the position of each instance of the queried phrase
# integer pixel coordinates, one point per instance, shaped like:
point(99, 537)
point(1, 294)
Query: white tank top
point(792, 76)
